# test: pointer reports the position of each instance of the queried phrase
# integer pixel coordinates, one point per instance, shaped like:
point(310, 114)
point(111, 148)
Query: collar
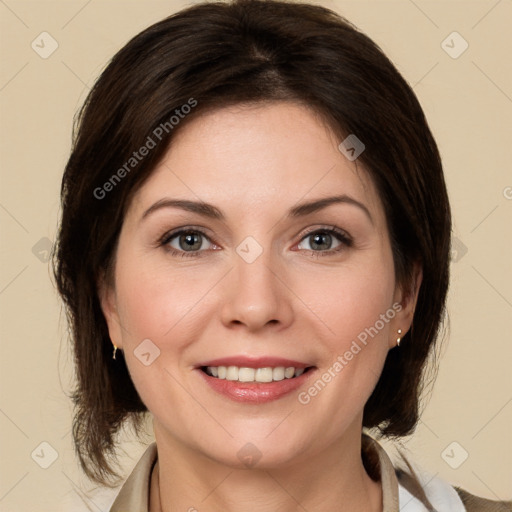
point(134, 494)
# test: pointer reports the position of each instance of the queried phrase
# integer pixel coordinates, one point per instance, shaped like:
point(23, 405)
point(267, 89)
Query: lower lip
point(255, 392)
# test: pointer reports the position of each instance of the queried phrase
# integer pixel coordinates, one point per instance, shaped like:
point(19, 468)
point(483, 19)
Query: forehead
point(254, 157)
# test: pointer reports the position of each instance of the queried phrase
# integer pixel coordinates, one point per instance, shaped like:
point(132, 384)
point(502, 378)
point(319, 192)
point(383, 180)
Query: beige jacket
point(134, 495)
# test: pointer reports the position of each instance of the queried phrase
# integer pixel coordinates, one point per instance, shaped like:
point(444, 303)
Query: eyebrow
point(211, 211)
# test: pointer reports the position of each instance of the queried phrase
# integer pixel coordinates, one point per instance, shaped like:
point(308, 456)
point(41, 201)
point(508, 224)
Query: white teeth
point(278, 373)
point(244, 374)
point(232, 373)
point(289, 372)
point(263, 375)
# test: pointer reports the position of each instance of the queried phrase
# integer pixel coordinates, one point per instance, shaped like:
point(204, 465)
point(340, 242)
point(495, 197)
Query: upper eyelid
point(185, 229)
point(327, 228)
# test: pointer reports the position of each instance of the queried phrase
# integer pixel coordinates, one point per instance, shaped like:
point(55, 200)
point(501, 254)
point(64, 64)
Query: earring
point(115, 350)
point(399, 338)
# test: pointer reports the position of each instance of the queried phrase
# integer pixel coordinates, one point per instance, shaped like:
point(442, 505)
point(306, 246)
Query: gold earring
point(115, 350)
point(399, 338)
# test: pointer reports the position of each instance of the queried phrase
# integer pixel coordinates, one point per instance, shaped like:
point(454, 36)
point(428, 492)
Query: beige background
point(468, 101)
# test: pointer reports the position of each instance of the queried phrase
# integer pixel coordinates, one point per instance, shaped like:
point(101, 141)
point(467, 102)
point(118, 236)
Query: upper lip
point(254, 362)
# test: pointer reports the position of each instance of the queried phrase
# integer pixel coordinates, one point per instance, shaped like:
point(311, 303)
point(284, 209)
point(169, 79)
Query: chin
point(255, 456)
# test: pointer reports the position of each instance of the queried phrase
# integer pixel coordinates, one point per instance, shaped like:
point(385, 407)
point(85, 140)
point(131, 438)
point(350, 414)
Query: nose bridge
point(257, 295)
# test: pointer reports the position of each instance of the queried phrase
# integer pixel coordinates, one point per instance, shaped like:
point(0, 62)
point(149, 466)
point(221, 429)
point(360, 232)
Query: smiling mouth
point(245, 374)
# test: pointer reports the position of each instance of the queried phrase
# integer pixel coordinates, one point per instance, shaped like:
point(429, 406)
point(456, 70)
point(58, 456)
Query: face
point(257, 279)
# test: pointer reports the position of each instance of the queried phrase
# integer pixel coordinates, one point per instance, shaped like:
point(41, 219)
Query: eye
point(194, 242)
point(321, 241)
point(186, 242)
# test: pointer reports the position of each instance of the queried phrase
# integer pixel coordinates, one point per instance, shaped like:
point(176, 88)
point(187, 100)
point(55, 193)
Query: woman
point(254, 249)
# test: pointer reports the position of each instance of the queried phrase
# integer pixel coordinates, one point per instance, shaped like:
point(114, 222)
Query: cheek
point(351, 299)
point(162, 306)
point(169, 307)
point(156, 302)
point(356, 305)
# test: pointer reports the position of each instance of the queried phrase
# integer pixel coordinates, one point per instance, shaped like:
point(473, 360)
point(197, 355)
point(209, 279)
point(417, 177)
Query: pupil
point(317, 241)
point(190, 241)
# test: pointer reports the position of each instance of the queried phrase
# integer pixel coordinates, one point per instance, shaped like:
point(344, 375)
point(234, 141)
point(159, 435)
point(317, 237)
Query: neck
point(334, 479)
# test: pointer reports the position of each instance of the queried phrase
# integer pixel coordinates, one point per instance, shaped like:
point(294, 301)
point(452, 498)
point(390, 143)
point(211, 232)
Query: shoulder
point(477, 504)
point(413, 489)
point(134, 494)
point(438, 495)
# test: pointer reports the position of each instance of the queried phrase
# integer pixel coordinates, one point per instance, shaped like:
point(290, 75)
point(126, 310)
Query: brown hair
point(212, 55)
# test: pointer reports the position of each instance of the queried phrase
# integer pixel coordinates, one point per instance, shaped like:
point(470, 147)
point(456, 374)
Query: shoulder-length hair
point(213, 55)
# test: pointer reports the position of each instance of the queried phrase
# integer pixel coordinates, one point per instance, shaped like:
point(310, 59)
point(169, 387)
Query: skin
point(254, 163)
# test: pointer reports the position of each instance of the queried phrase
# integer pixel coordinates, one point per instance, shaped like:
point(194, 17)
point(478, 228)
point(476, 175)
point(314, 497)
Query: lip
point(255, 392)
point(254, 362)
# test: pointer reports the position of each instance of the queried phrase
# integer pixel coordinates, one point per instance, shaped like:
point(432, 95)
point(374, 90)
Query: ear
point(108, 302)
point(407, 298)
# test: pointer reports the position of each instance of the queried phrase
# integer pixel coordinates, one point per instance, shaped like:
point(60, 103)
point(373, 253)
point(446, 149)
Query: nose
point(257, 294)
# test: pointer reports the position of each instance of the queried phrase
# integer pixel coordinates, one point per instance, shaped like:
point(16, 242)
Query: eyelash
point(344, 238)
